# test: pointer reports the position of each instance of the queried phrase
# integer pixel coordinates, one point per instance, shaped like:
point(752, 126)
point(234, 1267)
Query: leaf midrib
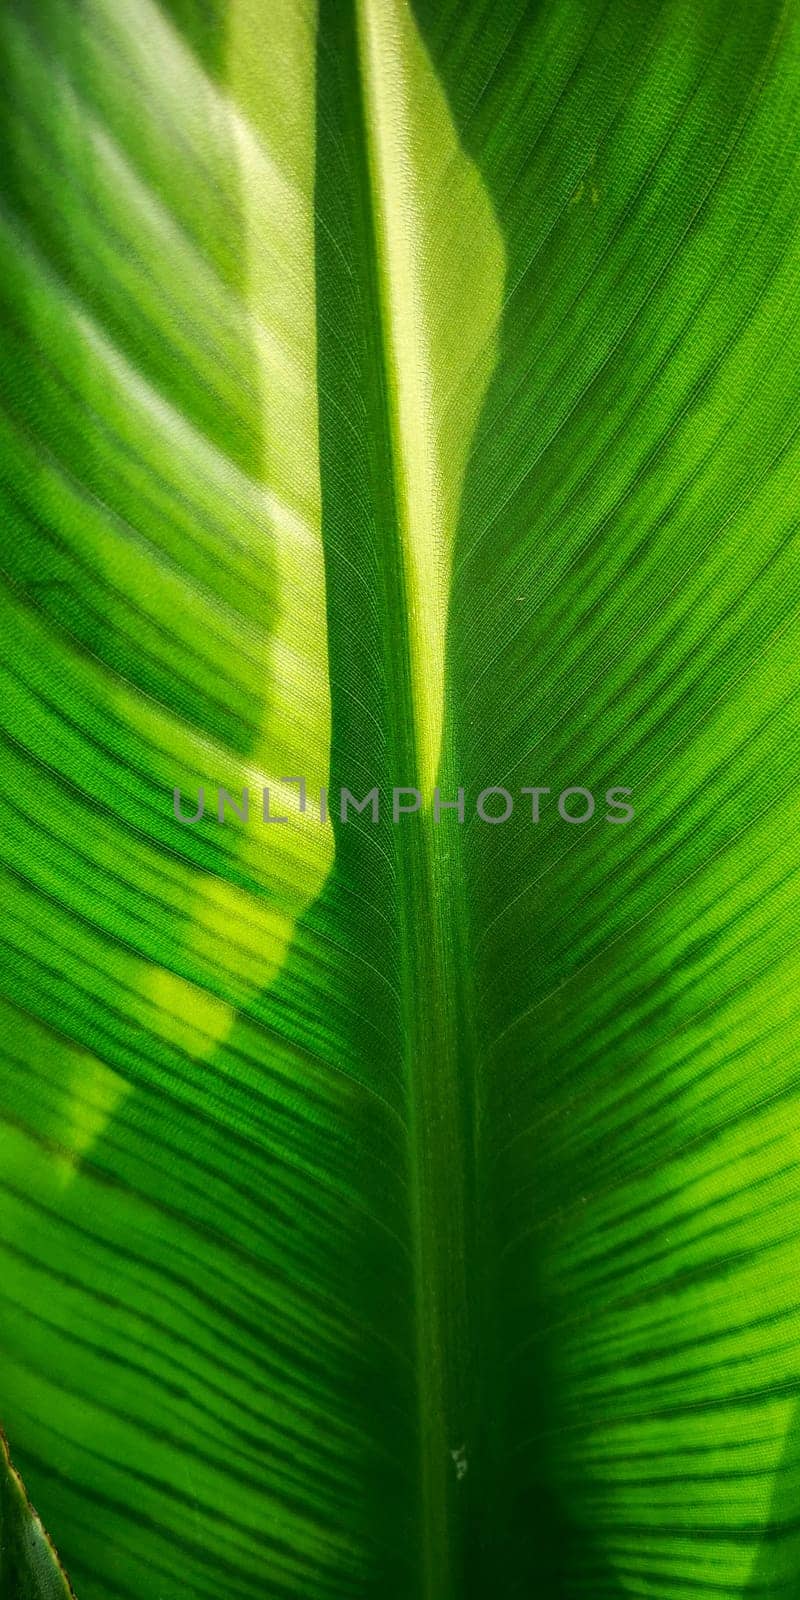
point(435, 1006)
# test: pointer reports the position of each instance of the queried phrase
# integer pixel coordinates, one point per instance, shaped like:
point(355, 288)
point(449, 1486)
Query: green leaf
point(401, 395)
point(29, 1566)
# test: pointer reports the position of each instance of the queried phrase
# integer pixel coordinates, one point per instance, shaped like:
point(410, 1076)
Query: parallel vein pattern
point(401, 394)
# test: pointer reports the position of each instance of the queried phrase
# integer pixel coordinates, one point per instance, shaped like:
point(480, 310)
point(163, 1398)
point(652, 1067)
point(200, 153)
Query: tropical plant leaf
point(401, 396)
point(29, 1566)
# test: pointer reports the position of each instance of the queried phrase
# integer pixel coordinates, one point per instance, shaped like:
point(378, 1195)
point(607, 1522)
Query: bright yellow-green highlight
point(442, 269)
